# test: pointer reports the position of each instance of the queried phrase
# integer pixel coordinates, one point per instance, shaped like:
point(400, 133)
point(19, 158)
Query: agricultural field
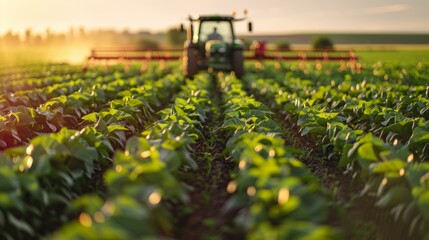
point(290, 151)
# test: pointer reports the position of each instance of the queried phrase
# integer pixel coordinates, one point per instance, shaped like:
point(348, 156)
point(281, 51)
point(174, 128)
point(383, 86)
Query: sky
point(268, 16)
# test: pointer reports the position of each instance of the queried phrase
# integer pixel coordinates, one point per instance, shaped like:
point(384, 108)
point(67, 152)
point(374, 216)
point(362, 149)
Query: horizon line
point(241, 33)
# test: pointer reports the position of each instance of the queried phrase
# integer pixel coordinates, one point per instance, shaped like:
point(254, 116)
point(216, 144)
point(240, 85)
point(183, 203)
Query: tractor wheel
point(237, 63)
point(190, 66)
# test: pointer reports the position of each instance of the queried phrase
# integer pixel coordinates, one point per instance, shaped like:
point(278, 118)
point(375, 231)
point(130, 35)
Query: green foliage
point(115, 146)
point(283, 44)
point(322, 43)
point(147, 43)
point(57, 168)
point(51, 171)
point(281, 197)
point(176, 37)
point(145, 178)
point(376, 129)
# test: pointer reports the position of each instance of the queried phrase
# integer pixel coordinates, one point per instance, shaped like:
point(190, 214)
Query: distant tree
point(11, 38)
point(59, 38)
point(82, 32)
point(126, 33)
point(71, 33)
point(175, 37)
point(48, 34)
point(37, 39)
point(148, 43)
point(323, 43)
point(28, 36)
point(283, 44)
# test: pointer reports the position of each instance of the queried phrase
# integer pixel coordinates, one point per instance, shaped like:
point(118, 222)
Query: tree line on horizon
point(111, 38)
point(105, 37)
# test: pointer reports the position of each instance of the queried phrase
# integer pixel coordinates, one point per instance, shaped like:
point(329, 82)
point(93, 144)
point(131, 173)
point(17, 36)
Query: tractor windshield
point(215, 30)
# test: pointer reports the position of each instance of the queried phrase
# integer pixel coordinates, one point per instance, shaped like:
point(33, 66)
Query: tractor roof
point(214, 18)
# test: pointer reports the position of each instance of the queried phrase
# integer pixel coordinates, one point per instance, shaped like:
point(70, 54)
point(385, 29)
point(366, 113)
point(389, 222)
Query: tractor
point(212, 44)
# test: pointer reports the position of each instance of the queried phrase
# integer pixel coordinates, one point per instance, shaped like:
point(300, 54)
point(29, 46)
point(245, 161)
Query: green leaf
point(180, 101)
point(366, 152)
point(404, 128)
point(324, 118)
point(423, 203)
point(136, 145)
point(116, 127)
point(117, 104)
point(134, 102)
point(30, 183)
point(101, 126)
point(8, 180)
point(393, 166)
point(233, 124)
point(20, 224)
point(88, 203)
point(92, 117)
point(416, 172)
point(75, 230)
point(86, 154)
point(420, 136)
point(345, 159)
point(394, 196)
point(313, 129)
point(173, 144)
point(16, 151)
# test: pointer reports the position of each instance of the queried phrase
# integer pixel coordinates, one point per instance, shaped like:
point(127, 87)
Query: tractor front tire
point(190, 66)
point(238, 63)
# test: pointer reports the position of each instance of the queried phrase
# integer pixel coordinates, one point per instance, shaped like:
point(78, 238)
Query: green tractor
point(212, 44)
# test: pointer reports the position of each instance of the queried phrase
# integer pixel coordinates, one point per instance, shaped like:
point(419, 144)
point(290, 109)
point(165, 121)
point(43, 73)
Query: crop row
point(280, 198)
point(316, 113)
point(56, 168)
point(66, 84)
point(323, 74)
point(22, 123)
point(393, 165)
point(36, 76)
point(339, 91)
point(37, 96)
point(111, 167)
point(145, 181)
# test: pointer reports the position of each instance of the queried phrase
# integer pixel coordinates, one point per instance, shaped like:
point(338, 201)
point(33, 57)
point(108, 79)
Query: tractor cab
point(212, 44)
point(215, 39)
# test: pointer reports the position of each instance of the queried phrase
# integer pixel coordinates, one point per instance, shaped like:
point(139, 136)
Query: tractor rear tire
point(190, 66)
point(238, 63)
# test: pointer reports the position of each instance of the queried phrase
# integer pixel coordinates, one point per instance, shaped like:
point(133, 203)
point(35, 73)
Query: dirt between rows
point(207, 218)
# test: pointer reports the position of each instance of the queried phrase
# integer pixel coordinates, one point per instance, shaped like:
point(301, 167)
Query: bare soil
point(207, 219)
